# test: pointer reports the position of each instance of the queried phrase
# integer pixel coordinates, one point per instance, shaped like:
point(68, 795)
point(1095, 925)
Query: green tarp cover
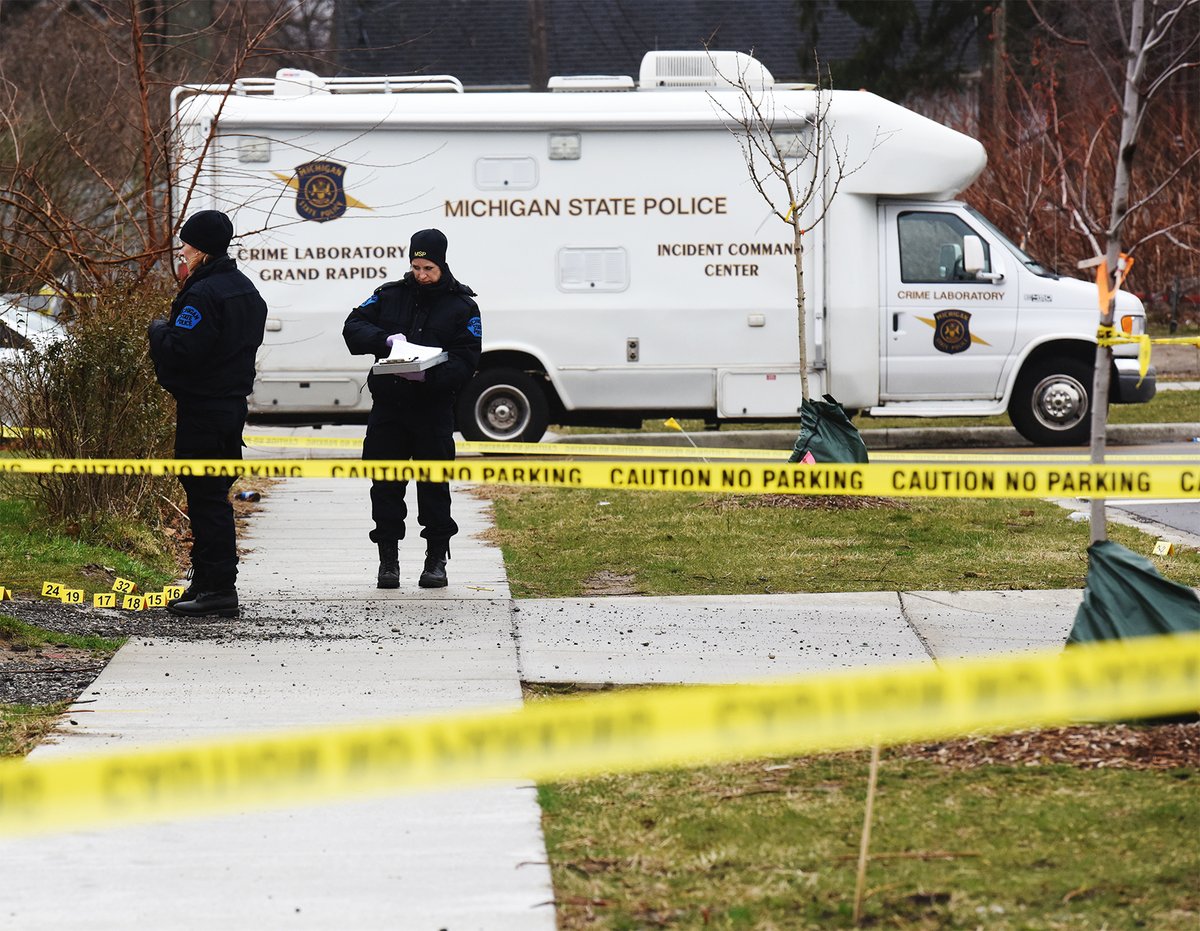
point(1126, 597)
point(827, 433)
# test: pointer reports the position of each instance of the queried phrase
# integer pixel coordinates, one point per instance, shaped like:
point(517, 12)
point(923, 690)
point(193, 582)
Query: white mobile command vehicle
point(626, 267)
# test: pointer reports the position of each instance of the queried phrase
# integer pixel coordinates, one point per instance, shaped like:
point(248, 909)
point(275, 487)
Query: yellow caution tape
point(1108, 336)
point(624, 731)
point(624, 450)
point(942, 480)
point(633, 451)
point(308, 442)
point(6, 432)
point(538, 449)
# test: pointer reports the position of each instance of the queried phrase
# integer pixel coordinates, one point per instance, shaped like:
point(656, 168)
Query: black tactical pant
point(390, 435)
point(211, 430)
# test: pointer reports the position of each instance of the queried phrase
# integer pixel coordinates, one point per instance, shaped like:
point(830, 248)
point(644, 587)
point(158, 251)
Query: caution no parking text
point(884, 479)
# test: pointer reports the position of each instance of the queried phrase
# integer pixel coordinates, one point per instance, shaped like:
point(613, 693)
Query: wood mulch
point(1158, 746)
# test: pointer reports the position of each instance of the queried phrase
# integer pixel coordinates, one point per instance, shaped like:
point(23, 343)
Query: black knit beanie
point(429, 245)
point(209, 231)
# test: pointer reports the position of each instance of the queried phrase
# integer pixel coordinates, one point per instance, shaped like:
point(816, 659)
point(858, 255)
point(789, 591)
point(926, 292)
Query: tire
point(1052, 403)
point(502, 405)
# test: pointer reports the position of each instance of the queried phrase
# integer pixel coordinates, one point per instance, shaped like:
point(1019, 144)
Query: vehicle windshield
point(1027, 260)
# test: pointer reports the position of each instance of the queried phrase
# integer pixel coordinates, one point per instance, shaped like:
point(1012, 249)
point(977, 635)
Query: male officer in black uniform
point(412, 415)
point(204, 355)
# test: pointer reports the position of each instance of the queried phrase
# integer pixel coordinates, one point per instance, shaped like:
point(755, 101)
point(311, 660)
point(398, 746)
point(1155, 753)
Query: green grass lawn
point(559, 542)
point(22, 726)
point(772, 844)
point(31, 553)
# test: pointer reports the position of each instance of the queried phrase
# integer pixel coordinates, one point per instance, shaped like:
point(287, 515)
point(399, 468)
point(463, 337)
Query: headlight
point(1133, 325)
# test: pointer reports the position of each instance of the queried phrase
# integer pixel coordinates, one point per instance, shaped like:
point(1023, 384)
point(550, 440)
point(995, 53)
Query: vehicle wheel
point(502, 405)
point(1052, 403)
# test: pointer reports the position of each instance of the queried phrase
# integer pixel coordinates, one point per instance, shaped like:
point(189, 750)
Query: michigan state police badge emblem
point(320, 191)
point(952, 331)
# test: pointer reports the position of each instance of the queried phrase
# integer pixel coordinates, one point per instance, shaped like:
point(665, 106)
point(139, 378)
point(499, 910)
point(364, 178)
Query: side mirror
point(974, 261)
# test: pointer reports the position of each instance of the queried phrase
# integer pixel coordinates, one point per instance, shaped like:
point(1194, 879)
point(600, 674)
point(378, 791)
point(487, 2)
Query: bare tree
point(539, 68)
point(84, 94)
point(1155, 47)
point(84, 180)
point(794, 159)
point(1052, 158)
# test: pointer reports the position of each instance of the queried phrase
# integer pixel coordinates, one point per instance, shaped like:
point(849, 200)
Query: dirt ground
point(54, 673)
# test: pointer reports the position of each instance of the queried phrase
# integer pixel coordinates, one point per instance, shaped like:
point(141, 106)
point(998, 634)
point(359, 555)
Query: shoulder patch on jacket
point(188, 317)
point(378, 292)
point(475, 326)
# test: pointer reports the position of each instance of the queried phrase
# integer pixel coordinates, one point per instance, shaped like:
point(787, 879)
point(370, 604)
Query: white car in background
point(22, 329)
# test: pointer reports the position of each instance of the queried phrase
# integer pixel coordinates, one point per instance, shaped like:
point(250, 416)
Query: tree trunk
point(800, 304)
point(539, 69)
point(1130, 110)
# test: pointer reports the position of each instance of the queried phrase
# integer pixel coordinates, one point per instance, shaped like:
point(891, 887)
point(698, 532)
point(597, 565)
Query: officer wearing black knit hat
point(203, 354)
point(210, 231)
point(412, 415)
point(429, 244)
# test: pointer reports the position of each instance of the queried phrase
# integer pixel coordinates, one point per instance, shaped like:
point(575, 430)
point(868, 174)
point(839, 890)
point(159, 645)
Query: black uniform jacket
point(443, 315)
point(205, 350)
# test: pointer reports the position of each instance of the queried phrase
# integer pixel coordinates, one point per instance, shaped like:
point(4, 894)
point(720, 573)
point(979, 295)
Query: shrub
point(94, 396)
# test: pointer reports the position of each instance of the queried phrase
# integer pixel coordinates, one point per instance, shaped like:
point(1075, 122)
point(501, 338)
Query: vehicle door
point(946, 333)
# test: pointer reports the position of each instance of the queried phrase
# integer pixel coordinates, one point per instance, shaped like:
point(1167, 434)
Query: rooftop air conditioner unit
point(673, 70)
point(295, 82)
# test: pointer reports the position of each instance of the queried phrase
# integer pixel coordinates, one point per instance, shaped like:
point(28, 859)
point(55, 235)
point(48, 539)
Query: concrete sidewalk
point(632, 640)
point(318, 644)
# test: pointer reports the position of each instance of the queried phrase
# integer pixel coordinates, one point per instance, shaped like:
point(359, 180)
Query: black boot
point(194, 587)
point(189, 593)
point(434, 573)
point(223, 603)
point(389, 565)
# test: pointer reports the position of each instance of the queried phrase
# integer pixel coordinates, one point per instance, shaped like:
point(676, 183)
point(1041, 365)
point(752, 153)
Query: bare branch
point(807, 163)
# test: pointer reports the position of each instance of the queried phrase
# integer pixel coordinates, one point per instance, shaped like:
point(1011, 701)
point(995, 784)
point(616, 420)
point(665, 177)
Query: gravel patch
point(55, 672)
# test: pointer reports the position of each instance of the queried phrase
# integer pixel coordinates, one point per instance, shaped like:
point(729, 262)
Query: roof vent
point(294, 82)
point(674, 70)
point(590, 82)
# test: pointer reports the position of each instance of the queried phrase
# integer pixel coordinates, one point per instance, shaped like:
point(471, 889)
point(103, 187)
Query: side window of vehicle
point(931, 247)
